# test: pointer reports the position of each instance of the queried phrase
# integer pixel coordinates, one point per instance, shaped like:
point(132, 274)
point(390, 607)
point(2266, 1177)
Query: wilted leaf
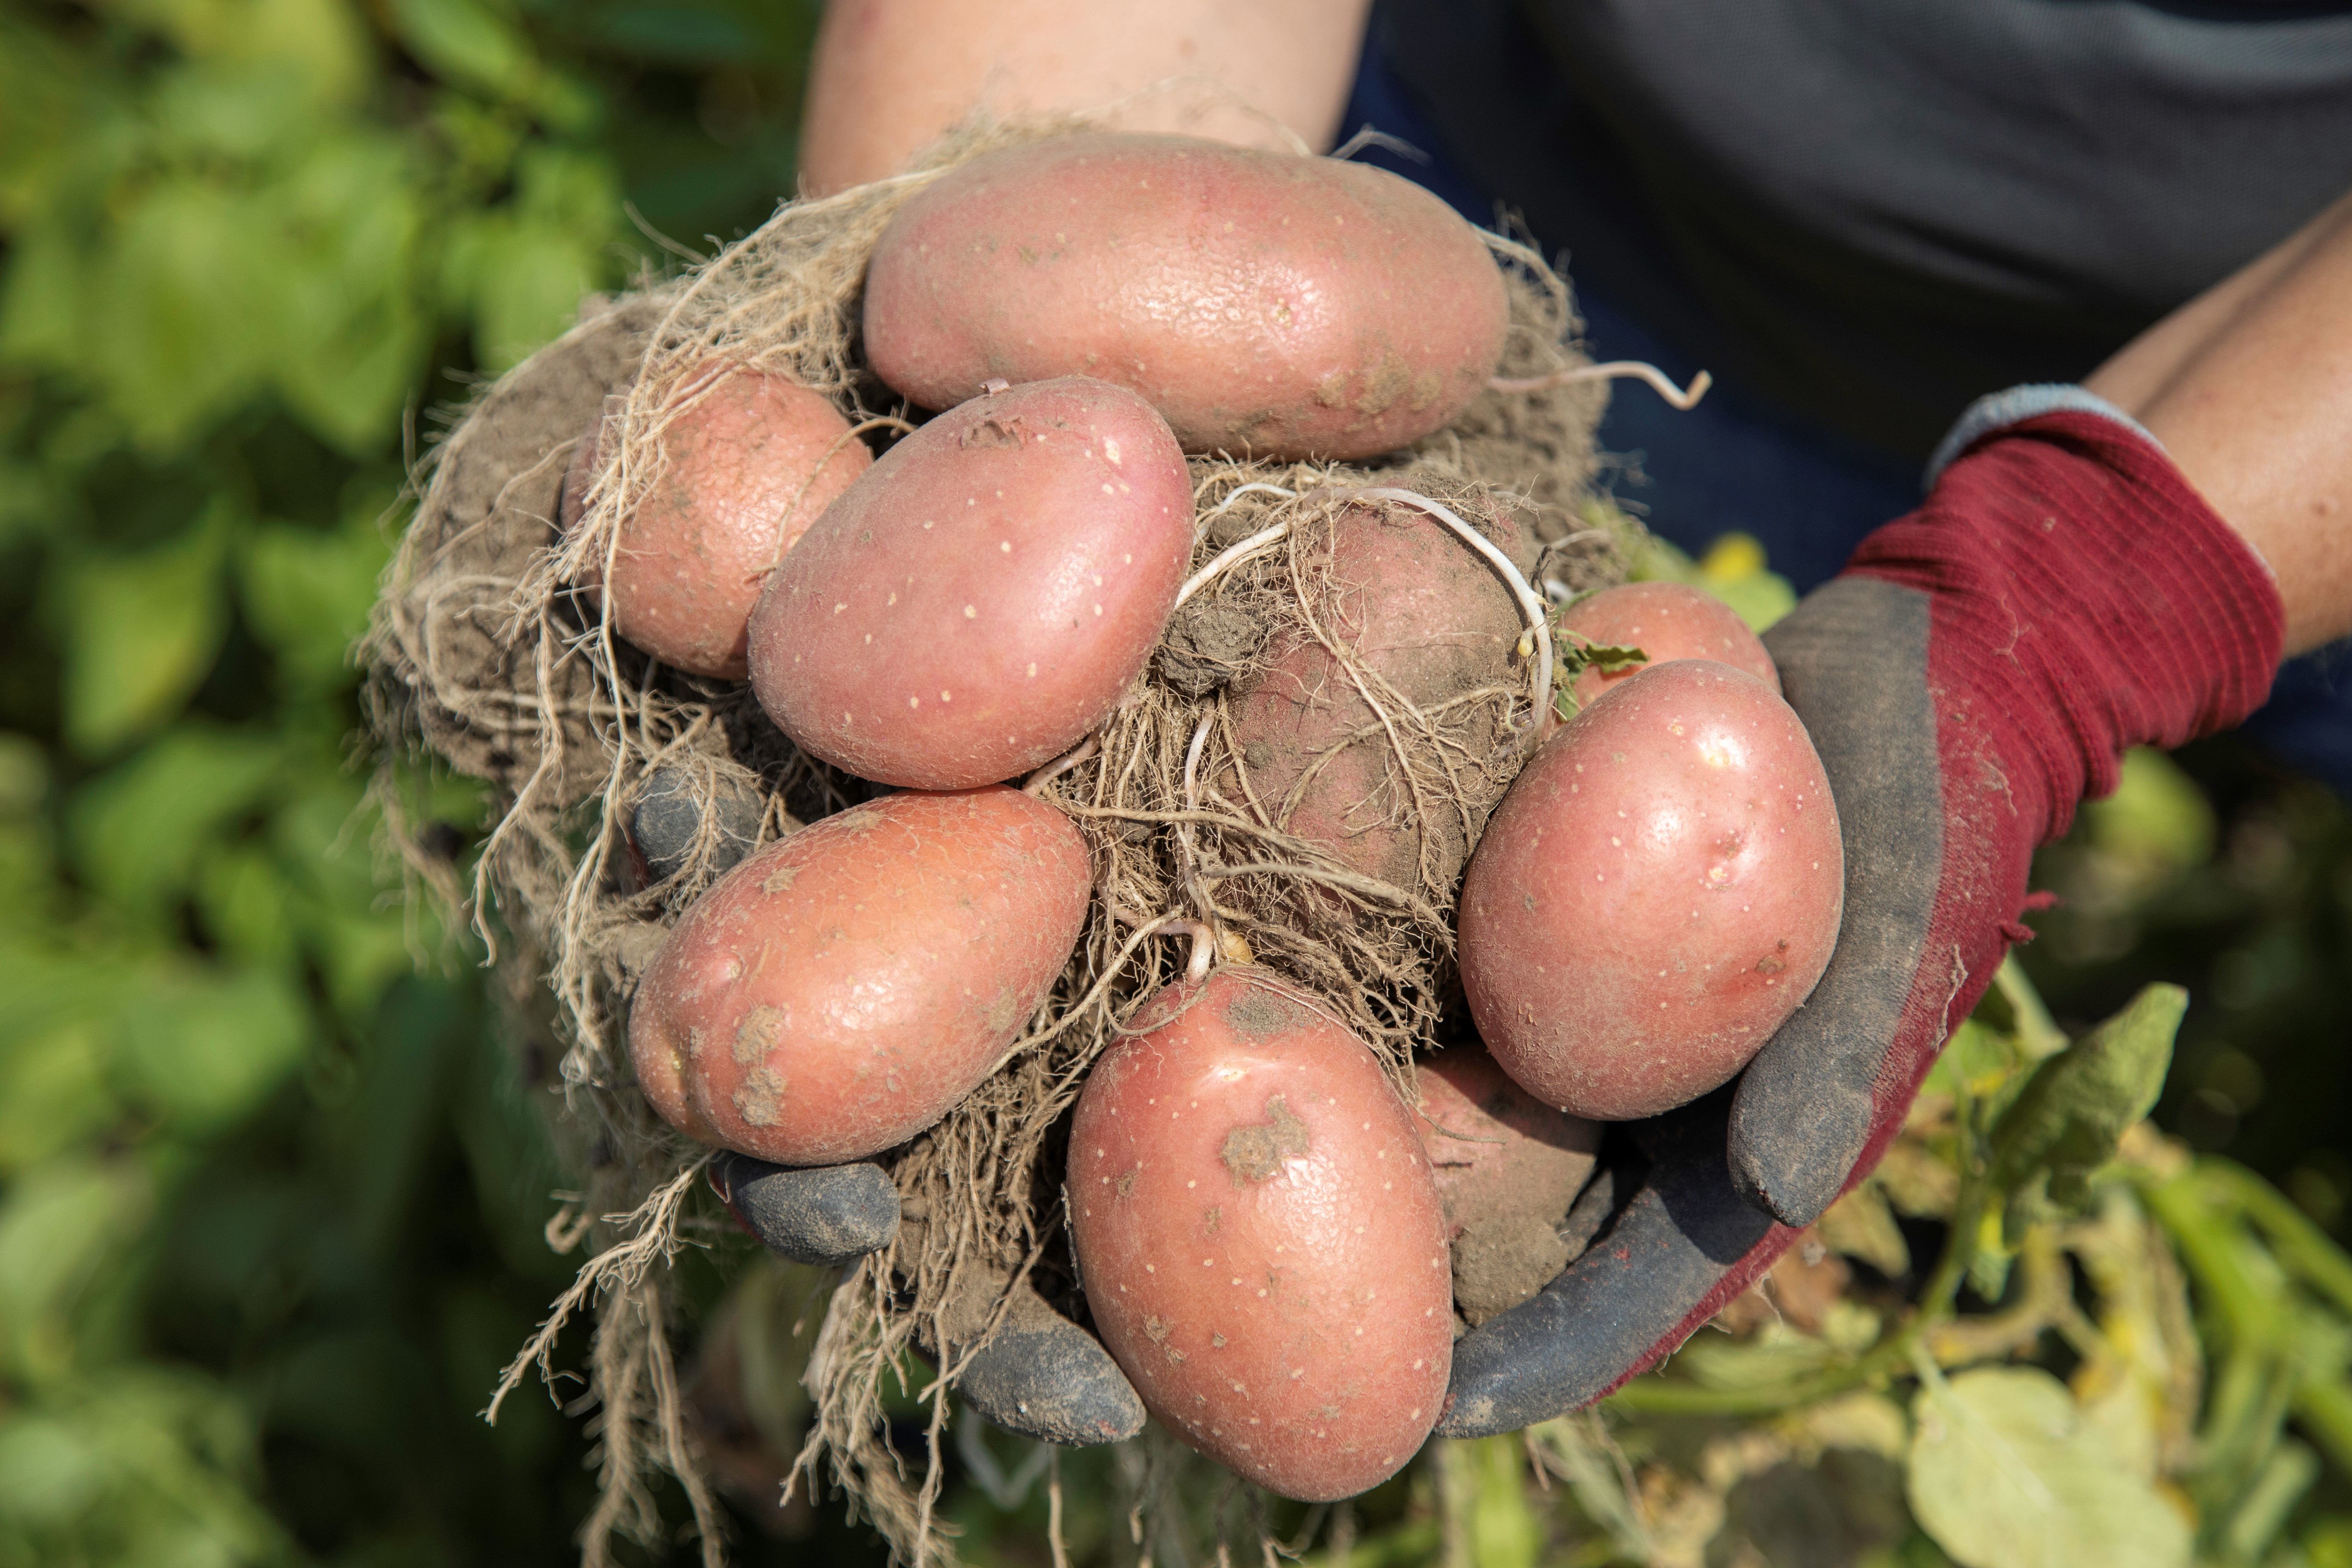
point(141, 631)
point(2005, 1474)
point(1860, 1225)
point(2065, 1122)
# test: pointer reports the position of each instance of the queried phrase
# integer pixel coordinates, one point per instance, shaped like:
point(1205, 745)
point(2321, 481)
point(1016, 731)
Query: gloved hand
point(1037, 1375)
point(1976, 672)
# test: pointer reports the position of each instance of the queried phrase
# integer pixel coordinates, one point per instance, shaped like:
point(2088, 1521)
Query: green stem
point(2302, 1245)
point(2325, 1408)
point(1893, 1351)
point(2206, 1245)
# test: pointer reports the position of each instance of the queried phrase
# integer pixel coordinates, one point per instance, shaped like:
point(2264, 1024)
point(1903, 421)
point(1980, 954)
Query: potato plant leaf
point(2006, 1474)
point(1572, 655)
point(2064, 1123)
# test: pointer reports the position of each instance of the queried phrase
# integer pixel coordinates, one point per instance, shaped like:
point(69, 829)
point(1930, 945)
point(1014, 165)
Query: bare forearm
point(890, 76)
point(2250, 388)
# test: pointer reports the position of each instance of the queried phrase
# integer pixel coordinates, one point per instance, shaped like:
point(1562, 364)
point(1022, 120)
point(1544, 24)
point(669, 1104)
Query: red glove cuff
point(2086, 600)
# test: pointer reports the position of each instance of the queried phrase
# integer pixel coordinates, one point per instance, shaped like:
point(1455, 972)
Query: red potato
point(747, 469)
point(1423, 614)
point(1659, 890)
point(1267, 304)
point(1261, 1243)
point(983, 598)
point(1666, 621)
point(1507, 1167)
point(1496, 1151)
point(841, 989)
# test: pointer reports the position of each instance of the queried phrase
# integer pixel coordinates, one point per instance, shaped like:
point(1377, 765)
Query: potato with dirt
point(1268, 304)
point(1659, 890)
point(1666, 621)
point(1260, 1240)
point(984, 594)
point(1508, 1168)
point(749, 462)
point(843, 988)
point(1494, 1149)
point(1418, 638)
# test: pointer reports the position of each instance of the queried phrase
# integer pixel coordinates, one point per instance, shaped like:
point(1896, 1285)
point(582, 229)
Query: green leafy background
point(271, 1195)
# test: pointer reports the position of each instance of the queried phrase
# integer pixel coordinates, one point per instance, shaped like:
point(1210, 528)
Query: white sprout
point(1537, 638)
point(1683, 397)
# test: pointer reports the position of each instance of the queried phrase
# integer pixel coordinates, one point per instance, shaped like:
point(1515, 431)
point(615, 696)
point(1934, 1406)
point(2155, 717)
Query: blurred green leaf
point(53, 1093)
point(139, 830)
point(248, 905)
point(1733, 569)
point(141, 631)
point(2004, 1474)
point(40, 300)
point(523, 271)
point(320, 43)
point(161, 1466)
point(205, 1047)
point(469, 42)
point(308, 594)
point(57, 1221)
point(2156, 821)
point(48, 1472)
point(355, 320)
point(179, 323)
point(39, 85)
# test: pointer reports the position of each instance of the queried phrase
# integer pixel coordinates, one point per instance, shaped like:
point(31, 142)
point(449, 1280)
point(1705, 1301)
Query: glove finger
point(1042, 1376)
point(1684, 1242)
point(826, 1216)
point(1853, 663)
point(667, 821)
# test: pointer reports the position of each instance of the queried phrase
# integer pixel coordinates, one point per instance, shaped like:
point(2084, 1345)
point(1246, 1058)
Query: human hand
point(2062, 595)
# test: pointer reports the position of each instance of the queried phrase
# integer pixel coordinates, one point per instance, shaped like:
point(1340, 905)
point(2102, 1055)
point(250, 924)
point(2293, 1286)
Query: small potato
point(841, 989)
point(1261, 1243)
point(747, 469)
point(1431, 619)
point(1666, 621)
point(1267, 304)
point(1498, 1152)
point(1659, 890)
point(981, 598)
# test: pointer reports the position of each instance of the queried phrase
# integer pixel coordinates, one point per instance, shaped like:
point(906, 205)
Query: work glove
point(1976, 672)
point(1028, 1369)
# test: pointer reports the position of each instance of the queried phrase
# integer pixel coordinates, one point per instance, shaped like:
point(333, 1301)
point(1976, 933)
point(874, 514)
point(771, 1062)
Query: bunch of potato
point(1269, 1236)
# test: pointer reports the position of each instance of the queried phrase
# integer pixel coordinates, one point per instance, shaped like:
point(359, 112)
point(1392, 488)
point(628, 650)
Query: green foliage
point(2065, 1122)
point(1733, 570)
point(271, 1193)
point(2006, 1473)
